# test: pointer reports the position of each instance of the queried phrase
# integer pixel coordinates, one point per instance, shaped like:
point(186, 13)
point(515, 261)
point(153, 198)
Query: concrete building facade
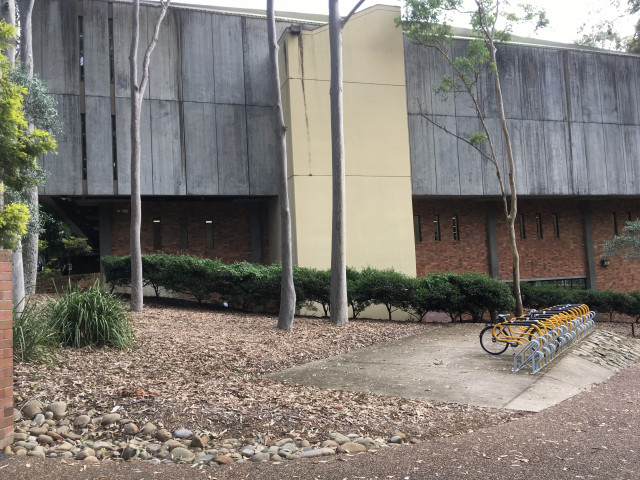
point(418, 200)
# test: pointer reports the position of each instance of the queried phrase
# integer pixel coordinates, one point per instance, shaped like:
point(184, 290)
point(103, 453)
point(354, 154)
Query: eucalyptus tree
point(428, 23)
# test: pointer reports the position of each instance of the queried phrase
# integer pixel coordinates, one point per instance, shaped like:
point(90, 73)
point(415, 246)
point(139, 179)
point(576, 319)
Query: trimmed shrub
point(431, 293)
point(117, 271)
point(155, 269)
point(198, 277)
point(357, 296)
point(33, 338)
point(313, 286)
point(83, 317)
point(387, 287)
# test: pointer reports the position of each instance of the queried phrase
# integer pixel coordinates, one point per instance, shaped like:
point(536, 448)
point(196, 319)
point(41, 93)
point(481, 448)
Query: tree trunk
point(137, 95)
point(511, 211)
point(339, 304)
point(17, 286)
point(287, 289)
point(9, 17)
point(30, 244)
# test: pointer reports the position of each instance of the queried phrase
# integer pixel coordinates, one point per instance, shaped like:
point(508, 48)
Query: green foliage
point(33, 338)
point(357, 294)
point(312, 286)
point(86, 317)
point(76, 245)
point(627, 244)
point(13, 224)
point(117, 270)
point(387, 287)
point(59, 242)
point(632, 306)
point(432, 293)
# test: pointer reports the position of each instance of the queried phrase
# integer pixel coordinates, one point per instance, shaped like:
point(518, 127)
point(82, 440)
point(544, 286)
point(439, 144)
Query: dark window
point(209, 233)
point(184, 233)
point(436, 227)
point(83, 132)
point(456, 228)
point(614, 219)
point(157, 234)
point(416, 228)
point(112, 76)
point(556, 228)
point(523, 232)
point(539, 225)
point(114, 148)
point(628, 216)
point(81, 45)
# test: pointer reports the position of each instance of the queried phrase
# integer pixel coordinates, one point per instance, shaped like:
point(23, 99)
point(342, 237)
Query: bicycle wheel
point(489, 344)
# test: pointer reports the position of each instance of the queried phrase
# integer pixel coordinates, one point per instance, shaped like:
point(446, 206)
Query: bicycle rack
point(572, 324)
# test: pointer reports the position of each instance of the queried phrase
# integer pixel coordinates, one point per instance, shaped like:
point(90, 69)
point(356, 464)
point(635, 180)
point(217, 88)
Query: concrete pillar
point(585, 211)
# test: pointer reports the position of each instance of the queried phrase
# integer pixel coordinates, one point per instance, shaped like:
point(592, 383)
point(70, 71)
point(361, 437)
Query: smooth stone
point(66, 454)
point(87, 452)
point(154, 461)
point(276, 458)
point(129, 453)
point(339, 438)
point(367, 442)
point(45, 439)
point(224, 460)
point(153, 448)
point(32, 408)
point(91, 459)
point(163, 435)
point(281, 442)
point(396, 439)
point(205, 459)
point(102, 444)
point(318, 452)
point(199, 442)
point(144, 455)
point(183, 433)
point(51, 423)
point(27, 445)
point(181, 454)
point(148, 429)
point(70, 436)
point(37, 452)
point(82, 421)
point(130, 429)
point(171, 444)
point(17, 437)
point(21, 452)
point(48, 415)
point(329, 444)
point(212, 451)
point(351, 447)
point(38, 420)
point(63, 429)
point(289, 447)
point(353, 436)
point(59, 409)
point(64, 447)
point(17, 415)
point(260, 457)
point(248, 452)
point(110, 418)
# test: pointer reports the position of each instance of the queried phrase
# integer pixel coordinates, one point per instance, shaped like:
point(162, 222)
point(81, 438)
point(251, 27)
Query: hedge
point(250, 286)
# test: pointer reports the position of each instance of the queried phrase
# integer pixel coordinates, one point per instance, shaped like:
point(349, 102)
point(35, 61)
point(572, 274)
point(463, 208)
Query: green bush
point(83, 317)
point(312, 286)
point(33, 338)
point(156, 268)
point(632, 306)
point(432, 293)
point(117, 271)
point(358, 297)
point(387, 287)
point(479, 293)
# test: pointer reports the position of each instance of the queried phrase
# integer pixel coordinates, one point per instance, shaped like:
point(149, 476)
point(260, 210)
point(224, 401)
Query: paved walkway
point(447, 364)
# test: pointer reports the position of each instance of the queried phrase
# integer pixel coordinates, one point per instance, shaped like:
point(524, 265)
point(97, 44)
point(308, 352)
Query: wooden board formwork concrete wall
point(206, 120)
point(573, 117)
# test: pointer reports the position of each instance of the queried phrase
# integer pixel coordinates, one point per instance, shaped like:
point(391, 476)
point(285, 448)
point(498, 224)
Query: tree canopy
point(627, 244)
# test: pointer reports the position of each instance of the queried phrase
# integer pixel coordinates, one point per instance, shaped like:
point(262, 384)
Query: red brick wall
point(469, 254)
point(547, 256)
point(6, 351)
point(621, 274)
point(231, 229)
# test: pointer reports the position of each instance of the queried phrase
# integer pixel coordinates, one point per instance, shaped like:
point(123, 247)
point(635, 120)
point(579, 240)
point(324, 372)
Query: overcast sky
point(566, 16)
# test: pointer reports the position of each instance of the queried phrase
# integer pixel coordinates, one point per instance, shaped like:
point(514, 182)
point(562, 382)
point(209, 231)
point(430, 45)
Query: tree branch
point(164, 4)
point(353, 10)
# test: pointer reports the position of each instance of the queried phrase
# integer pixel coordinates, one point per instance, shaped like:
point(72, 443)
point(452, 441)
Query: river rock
point(224, 460)
point(351, 447)
point(183, 433)
point(59, 409)
point(86, 452)
point(199, 442)
point(163, 435)
point(260, 457)
point(148, 429)
point(31, 409)
point(130, 429)
point(110, 418)
point(82, 421)
point(38, 420)
point(181, 454)
point(339, 438)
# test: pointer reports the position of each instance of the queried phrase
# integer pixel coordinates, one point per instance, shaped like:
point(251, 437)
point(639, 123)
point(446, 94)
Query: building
point(418, 200)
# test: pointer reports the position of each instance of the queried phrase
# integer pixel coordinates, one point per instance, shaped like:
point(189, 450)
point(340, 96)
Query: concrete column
point(492, 241)
point(585, 212)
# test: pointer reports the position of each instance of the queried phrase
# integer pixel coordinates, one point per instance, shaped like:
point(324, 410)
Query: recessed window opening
point(614, 219)
point(628, 216)
point(157, 234)
point(208, 224)
point(114, 148)
point(556, 228)
point(456, 228)
point(184, 233)
point(539, 225)
point(112, 76)
point(523, 232)
point(81, 45)
point(417, 234)
point(83, 132)
point(436, 227)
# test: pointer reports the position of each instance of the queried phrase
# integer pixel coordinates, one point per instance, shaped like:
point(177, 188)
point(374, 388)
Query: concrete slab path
point(447, 364)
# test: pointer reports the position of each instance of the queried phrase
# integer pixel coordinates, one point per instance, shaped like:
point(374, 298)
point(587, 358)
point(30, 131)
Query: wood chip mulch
point(203, 370)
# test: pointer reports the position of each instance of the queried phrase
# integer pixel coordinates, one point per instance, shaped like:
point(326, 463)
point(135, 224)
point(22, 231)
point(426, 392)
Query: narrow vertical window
point(556, 227)
point(614, 219)
point(81, 45)
point(114, 148)
point(417, 234)
point(523, 232)
point(539, 225)
point(83, 133)
point(184, 233)
point(112, 75)
point(157, 234)
point(436, 227)
point(456, 228)
point(209, 233)
point(628, 216)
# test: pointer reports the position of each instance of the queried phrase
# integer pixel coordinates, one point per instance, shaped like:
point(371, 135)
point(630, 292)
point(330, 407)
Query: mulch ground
point(204, 370)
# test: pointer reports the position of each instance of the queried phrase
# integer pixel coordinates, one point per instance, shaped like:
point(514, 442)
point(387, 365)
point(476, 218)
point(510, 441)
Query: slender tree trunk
point(339, 304)
point(511, 210)
point(9, 17)
point(287, 289)
point(137, 95)
point(30, 244)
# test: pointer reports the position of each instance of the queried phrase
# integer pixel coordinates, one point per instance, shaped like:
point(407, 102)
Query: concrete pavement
point(447, 364)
